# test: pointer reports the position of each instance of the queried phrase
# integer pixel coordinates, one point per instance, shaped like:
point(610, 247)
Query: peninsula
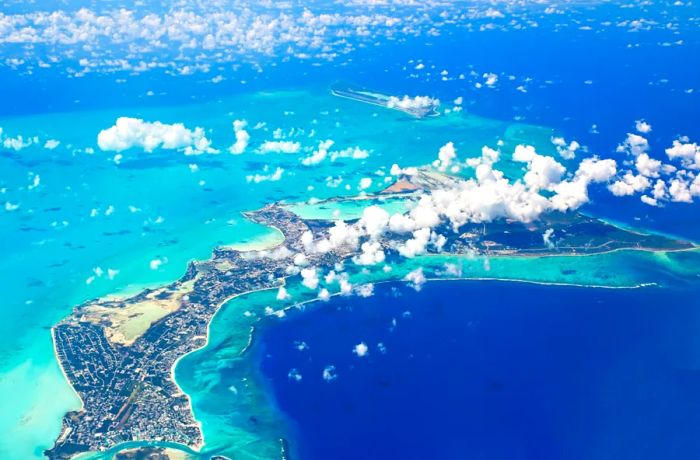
point(418, 106)
point(119, 354)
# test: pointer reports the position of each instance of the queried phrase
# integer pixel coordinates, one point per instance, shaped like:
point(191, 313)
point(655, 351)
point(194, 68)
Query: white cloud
point(340, 235)
point(130, 133)
point(272, 177)
point(294, 375)
point(289, 147)
point(453, 270)
point(345, 286)
point(489, 197)
point(660, 191)
point(18, 143)
point(490, 79)
point(647, 166)
point(242, 137)
point(282, 294)
point(401, 223)
point(634, 145)
point(343, 234)
point(355, 153)
point(493, 13)
point(324, 295)
point(361, 349)
point(642, 126)
point(572, 194)
point(596, 170)
point(36, 180)
point(329, 374)
point(309, 278)
point(398, 171)
point(322, 152)
point(155, 264)
point(446, 154)
point(416, 278)
point(688, 153)
point(319, 154)
point(374, 221)
point(365, 183)
point(365, 290)
point(51, 144)
point(488, 156)
point(9, 207)
point(543, 172)
point(679, 191)
point(417, 104)
point(416, 245)
point(547, 237)
point(301, 260)
point(194, 37)
point(649, 200)
point(371, 254)
point(695, 186)
point(566, 151)
point(629, 184)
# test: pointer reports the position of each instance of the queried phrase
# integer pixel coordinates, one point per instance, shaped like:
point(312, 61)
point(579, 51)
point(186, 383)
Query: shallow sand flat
point(260, 243)
point(125, 322)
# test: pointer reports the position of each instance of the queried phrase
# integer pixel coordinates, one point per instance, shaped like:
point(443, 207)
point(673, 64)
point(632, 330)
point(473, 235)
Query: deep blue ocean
point(588, 86)
point(492, 370)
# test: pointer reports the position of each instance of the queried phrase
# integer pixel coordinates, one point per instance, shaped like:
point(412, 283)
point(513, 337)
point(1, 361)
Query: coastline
point(297, 305)
point(261, 243)
point(641, 230)
point(194, 448)
point(319, 303)
point(539, 283)
point(393, 276)
point(64, 431)
point(198, 447)
point(63, 372)
point(695, 248)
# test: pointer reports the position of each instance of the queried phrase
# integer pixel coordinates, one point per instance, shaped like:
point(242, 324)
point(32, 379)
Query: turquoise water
point(349, 209)
point(93, 227)
point(228, 391)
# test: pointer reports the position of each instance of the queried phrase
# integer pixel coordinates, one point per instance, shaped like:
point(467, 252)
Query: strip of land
point(118, 354)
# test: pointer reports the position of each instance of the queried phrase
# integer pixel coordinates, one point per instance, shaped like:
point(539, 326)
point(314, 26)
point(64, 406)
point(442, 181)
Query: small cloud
point(361, 349)
point(416, 278)
point(51, 144)
point(642, 126)
point(329, 374)
point(282, 294)
point(155, 264)
point(294, 375)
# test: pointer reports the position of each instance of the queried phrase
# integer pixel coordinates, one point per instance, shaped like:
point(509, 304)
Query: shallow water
point(51, 246)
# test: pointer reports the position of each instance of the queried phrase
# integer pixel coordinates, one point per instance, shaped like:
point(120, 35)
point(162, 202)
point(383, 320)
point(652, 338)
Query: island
point(119, 354)
point(417, 107)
